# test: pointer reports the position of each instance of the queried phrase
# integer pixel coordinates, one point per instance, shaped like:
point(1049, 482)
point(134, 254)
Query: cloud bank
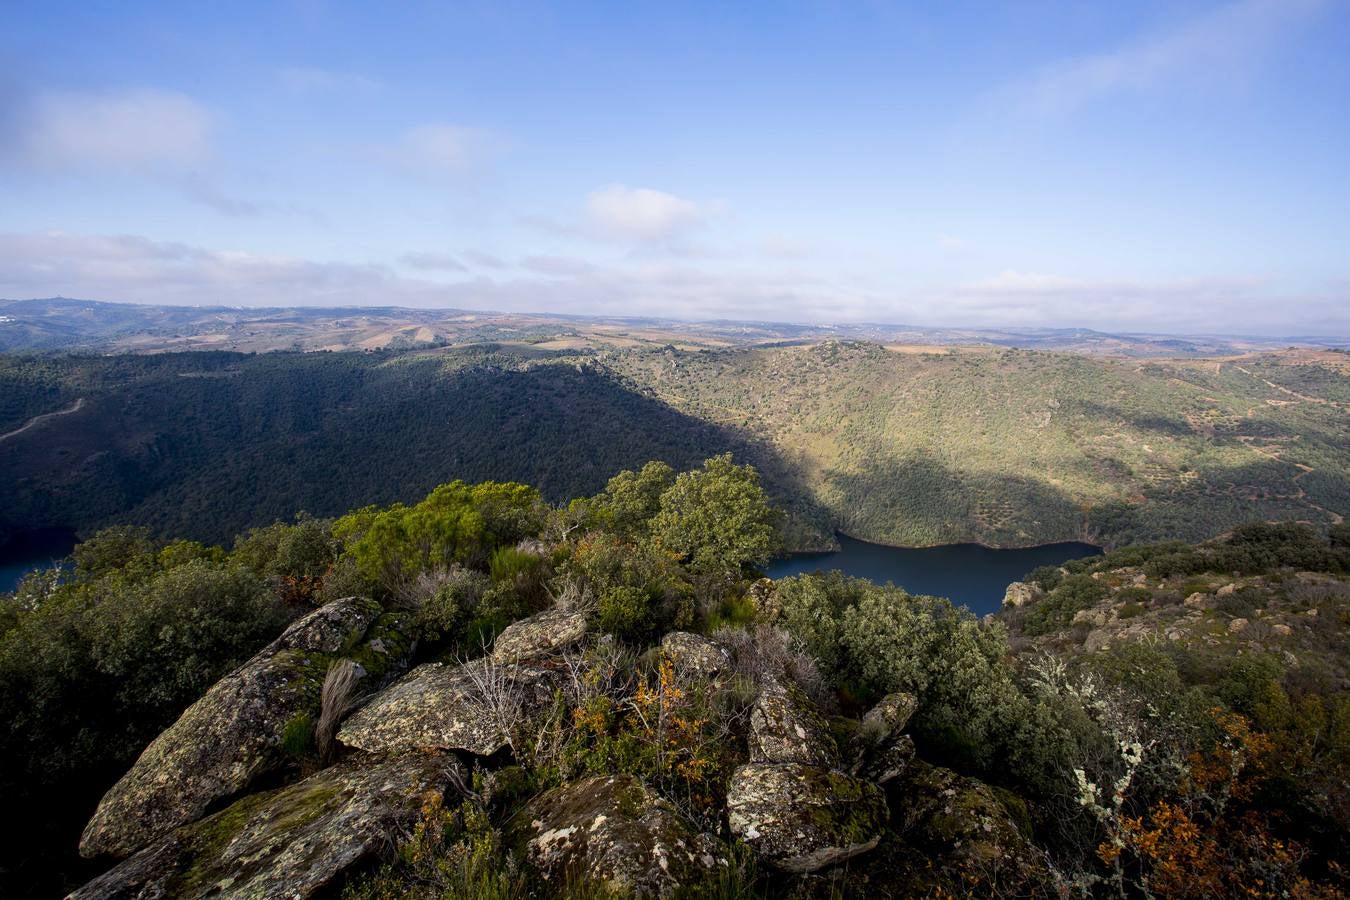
point(134, 268)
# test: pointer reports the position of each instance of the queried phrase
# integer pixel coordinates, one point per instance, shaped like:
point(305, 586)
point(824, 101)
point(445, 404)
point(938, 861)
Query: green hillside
point(1012, 447)
point(908, 446)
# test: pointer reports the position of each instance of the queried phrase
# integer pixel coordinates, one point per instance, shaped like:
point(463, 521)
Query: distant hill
point(906, 445)
point(61, 324)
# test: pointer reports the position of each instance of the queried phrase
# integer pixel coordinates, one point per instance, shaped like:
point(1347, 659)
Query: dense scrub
point(1138, 766)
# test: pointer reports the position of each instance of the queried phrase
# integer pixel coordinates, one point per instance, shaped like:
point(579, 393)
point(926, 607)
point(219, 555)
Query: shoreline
point(839, 533)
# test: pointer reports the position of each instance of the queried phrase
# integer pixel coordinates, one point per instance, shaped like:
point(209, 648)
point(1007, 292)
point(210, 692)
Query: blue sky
point(1179, 166)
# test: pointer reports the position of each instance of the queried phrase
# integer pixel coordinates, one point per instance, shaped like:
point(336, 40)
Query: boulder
point(763, 595)
point(1198, 600)
point(291, 842)
point(232, 735)
point(1022, 592)
point(955, 829)
point(1237, 625)
point(786, 727)
point(879, 750)
point(889, 717)
point(1282, 629)
point(696, 656)
point(1091, 617)
point(471, 707)
point(616, 831)
point(543, 634)
point(801, 818)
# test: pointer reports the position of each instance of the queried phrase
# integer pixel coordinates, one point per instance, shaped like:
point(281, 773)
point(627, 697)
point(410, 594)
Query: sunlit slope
point(1016, 447)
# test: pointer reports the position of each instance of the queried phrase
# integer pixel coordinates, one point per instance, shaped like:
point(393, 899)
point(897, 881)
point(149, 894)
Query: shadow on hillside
point(209, 458)
point(917, 500)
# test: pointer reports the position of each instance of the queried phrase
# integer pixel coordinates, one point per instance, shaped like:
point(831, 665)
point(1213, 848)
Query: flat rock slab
point(800, 818)
point(229, 737)
point(695, 655)
point(786, 727)
point(617, 831)
point(469, 707)
point(291, 842)
point(544, 634)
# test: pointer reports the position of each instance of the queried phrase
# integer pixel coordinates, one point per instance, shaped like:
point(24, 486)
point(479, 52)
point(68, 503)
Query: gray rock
point(544, 634)
point(1198, 600)
point(800, 818)
point(879, 750)
point(228, 738)
point(471, 707)
point(960, 825)
point(290, 843)
point(786, 727)
point(763, 595)
point(1022, 592)
point(890, 716)
point(617, 831)
point(1092, 617)
point(696, 656)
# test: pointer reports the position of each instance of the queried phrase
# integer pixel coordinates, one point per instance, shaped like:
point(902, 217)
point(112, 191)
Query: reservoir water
point(967, 574)
point(39, 549)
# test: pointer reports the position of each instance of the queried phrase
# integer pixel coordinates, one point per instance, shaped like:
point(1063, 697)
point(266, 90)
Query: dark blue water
point(34, 550)
point(967, 574)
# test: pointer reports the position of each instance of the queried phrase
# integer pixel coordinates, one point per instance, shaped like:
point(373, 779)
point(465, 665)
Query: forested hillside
point(1015, 447)
point(908, 446)
point(207, 444)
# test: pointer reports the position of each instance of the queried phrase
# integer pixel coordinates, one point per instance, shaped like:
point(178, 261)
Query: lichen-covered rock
point(961, 829)
point(878, 749)
point(618, 832)
point(800, 818)
point(695, 655)
point(1020, 593)
point(786, 727)
point(288, 843)
point(231, 736)
point(548, 632)
point(470, 707)
point(889, 717)
point(763, 595)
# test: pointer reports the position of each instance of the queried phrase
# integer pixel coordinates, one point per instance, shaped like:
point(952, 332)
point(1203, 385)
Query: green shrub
point(626, 612)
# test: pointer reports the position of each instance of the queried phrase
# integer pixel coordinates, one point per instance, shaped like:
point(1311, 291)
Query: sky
point(1146, 166)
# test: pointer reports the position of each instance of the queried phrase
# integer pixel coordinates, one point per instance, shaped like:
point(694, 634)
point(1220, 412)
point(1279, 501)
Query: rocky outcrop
point(540, 635)
point(232, 735)
point(695, 656)
point(879, 749)
point(959, 827)
point(1020, 593)
point(763, 595)
point(800, 818)
point(785, 727)
point(290, 843)
point(469, 707)
point(616, 831)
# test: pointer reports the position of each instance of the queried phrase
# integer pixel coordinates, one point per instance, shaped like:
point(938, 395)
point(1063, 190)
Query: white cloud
point(1218, 44)
point(640, 214)
point(444, 262)
point(1013, 281)
point(137, 129)
point(126, 267)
